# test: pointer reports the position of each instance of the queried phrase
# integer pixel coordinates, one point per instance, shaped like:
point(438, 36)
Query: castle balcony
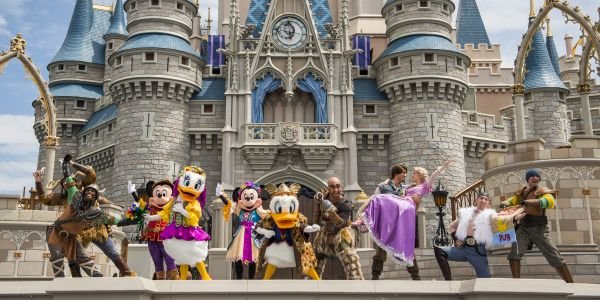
point(316, 143)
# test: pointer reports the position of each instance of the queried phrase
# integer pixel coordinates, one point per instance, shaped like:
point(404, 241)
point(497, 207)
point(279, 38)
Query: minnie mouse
point(247, 207)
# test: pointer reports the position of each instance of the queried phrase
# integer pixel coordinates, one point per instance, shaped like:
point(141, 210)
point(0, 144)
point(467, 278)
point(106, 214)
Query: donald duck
point(286, 230)
point(183, 238)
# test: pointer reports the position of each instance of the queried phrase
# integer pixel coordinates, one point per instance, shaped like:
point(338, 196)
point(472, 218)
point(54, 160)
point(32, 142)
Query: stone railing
point(290, 134)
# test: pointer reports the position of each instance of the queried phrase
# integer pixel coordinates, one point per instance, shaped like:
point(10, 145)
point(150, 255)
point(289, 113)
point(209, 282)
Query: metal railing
point(466, 197)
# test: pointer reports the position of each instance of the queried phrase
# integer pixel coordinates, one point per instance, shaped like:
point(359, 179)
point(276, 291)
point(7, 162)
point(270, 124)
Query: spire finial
point(208, 22)
point(532, 8)
point(548, 31)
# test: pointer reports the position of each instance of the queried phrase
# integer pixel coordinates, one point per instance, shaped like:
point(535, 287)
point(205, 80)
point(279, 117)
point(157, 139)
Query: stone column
point(586, 114)
point(519, 116)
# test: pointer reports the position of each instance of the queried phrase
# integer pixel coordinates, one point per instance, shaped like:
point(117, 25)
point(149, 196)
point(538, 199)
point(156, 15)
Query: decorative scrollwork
point(51, 141)
point(584, 87)
point(18, 44)
point(247, 31)
point(518, 89)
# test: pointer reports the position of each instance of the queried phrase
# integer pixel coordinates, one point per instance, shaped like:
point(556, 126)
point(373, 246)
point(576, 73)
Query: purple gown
point(391, 220)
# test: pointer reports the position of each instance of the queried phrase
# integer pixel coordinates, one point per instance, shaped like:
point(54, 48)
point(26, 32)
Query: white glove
point(219, 190)
point(266, 232)
point(178, 207)
point(130, 187)
point(148, 218)
point(312, 228)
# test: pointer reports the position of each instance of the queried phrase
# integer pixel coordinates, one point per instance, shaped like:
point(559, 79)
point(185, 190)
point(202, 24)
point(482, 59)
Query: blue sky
point(44, 24)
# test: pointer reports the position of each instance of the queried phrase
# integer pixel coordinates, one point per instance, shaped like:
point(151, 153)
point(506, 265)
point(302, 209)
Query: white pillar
point(519, 116)
point(586, 114)
point(50, 157)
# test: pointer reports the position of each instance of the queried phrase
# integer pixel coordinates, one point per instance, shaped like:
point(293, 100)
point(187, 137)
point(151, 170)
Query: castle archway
point(573, 15)
point(17, 50)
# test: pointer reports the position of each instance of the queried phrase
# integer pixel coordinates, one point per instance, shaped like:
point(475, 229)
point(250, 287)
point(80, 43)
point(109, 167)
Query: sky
point(44, 24)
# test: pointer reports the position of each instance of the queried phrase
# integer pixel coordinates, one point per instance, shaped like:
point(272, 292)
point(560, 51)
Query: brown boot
point(442, 258)
point(173, 274)
point(515, 268)
point(160, 275)
point(564, 273)
point(414, 271)
point(124, 270)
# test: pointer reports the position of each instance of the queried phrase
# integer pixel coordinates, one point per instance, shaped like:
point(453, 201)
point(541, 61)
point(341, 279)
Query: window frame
point(431, 62)
point(145, 60)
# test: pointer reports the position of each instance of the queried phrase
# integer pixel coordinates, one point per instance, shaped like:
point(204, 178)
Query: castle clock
point(289, 33)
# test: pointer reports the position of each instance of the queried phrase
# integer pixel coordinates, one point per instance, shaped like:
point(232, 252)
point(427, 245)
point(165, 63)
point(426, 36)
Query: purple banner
point(362, 60)
point(216, 58)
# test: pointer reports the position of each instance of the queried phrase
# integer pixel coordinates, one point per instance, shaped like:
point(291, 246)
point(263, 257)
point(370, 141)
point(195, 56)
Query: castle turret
point(76, 75)
point(552, 53)
point(469, 25)
point(569, 64)
point(425, 77)
point(545, 93)
point(154, 74)
point(115, 37)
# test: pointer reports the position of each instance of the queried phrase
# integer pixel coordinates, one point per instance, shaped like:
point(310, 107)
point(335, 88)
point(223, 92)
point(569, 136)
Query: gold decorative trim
point(518, 89)
point(103, 7)
point(50, 141)
point(18, 44)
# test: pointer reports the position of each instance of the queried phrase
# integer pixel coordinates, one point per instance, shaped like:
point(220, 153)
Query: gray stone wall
point(398, 22)
point(116, 44)
point(137, 158)
point(167, 64)
point(483, 126)
point(413, 65)
point(97, 138)
point(206, 154)
point(474, 168)
point(144, 17)
point(550, 120)
point(409, 145)
point(200, 120)
point(66, 108)
point(379, 120)
point(93, 73)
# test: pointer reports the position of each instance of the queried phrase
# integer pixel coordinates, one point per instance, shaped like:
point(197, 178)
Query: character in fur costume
point(472, 233)
point(287, 245)
point(247, 209)
point(96, 232)
point(336, 238)
point(159, 195)
point(183, 238)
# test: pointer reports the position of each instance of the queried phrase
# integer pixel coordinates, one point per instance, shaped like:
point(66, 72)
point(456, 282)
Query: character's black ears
point(264, 195)
point(236, 194)
point(149, 185)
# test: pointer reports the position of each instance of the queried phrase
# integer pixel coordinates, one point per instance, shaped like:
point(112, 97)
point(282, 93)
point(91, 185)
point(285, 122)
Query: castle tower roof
point(538, 65)
point(552, 48)
point(469, 25)
point(118, 23)
point(84, 42)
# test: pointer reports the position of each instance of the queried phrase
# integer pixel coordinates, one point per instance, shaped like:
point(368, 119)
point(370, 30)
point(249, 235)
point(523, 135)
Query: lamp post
point(440, 195)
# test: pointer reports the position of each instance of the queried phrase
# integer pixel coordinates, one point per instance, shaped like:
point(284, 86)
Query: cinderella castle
point(298, 91)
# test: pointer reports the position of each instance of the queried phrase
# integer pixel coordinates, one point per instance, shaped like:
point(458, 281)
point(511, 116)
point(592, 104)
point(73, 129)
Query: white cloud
point(14, 175)
point(4, 27)
point(14, 7)
point(18, 153)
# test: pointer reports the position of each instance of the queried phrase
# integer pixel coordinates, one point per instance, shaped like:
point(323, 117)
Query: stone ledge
point(141, 288)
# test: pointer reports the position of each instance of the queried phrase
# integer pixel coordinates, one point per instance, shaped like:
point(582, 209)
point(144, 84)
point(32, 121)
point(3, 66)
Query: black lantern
point(440, 196)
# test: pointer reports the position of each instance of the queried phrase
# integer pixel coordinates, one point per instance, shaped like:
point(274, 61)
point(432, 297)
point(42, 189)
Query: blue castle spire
point(469, 25)
point(552, 48)
point(538, 65)
point(118, 23)
point(83, 42)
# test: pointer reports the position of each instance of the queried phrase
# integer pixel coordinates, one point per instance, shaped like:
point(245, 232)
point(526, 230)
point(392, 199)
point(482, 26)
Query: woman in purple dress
point(391, 219)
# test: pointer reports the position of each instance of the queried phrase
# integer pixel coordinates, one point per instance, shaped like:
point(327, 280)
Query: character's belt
point(471, 241)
